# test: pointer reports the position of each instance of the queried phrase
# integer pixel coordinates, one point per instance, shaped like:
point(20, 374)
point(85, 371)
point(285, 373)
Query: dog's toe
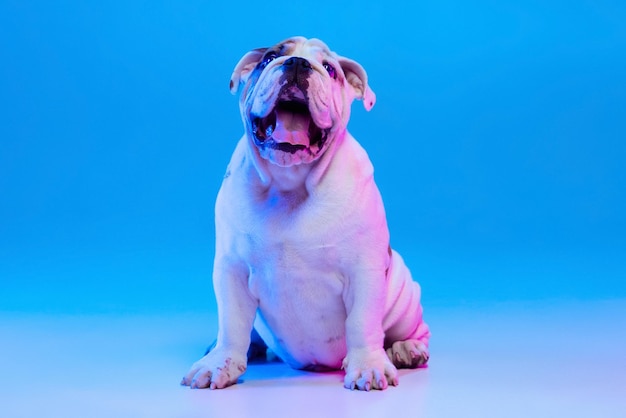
point(408, 354)
point(202, 379)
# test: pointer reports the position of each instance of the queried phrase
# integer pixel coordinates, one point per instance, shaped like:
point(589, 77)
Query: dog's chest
point(292, 248)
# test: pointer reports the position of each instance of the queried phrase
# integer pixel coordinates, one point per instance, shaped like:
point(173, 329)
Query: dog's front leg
point(236, 307)
point(366, 364)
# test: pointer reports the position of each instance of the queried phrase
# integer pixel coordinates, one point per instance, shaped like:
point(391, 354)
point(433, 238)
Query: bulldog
point(302, 255)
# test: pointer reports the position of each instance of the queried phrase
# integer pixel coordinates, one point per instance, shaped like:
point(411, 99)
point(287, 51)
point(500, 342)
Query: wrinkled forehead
point(307, 48)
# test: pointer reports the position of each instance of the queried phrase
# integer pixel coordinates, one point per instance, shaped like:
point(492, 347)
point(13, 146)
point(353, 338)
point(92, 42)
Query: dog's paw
point(408, 354)
point(215, 371)
point(367, 369)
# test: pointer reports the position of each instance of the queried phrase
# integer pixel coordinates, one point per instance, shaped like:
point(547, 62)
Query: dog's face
point(296, 98)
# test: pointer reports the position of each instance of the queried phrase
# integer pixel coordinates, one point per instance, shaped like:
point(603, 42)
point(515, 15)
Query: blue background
point(498, 140)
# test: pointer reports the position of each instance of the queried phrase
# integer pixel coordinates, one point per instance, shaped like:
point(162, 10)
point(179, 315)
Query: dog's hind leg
point(410, 353)
point(406, 333)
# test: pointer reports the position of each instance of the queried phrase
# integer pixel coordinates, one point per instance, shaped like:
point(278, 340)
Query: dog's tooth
point(269, 131)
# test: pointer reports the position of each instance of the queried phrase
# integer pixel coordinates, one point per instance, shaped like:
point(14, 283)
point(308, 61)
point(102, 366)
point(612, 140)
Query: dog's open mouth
point(289, 127)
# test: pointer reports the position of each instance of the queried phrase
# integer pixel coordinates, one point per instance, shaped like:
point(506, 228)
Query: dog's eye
point(331, 70)
point(268, 58)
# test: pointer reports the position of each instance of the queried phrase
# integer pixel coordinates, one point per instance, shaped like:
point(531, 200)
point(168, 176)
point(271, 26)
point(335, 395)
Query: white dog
point(302, 249)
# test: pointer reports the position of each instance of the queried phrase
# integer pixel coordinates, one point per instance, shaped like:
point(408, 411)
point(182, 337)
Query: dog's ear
point(244, 67)
point(357, 78)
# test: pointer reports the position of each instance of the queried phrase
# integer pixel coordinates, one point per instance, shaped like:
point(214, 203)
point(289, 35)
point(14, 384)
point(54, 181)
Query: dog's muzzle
point(289, 125)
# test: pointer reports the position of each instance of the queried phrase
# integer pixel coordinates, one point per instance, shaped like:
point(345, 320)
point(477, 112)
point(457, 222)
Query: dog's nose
point(297, 64)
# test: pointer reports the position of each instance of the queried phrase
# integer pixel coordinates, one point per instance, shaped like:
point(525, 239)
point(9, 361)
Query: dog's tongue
point(292, 127)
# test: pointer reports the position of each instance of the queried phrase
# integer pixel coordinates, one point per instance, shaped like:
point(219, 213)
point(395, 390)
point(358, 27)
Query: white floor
point(540, 359)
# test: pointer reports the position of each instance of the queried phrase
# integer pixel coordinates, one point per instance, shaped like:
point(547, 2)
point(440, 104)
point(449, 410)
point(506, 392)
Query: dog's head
point(296, 98)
